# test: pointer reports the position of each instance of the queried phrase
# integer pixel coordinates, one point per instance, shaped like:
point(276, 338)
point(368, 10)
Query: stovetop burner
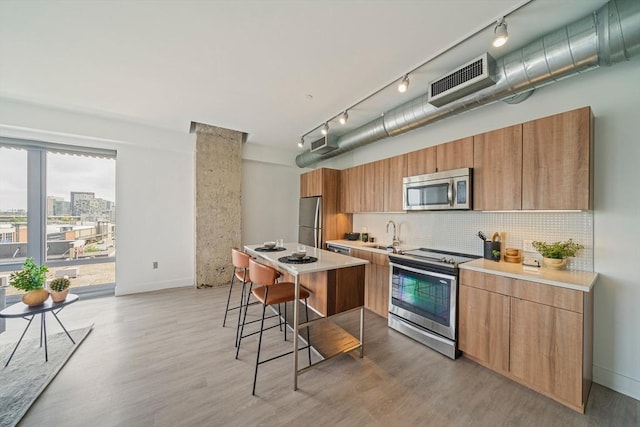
point(440, 257)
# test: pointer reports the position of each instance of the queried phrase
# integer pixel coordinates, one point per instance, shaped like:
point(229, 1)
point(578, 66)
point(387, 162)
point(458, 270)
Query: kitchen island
point(337, 285)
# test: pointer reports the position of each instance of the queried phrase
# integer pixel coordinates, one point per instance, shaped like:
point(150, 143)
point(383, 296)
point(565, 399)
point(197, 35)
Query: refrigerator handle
point(317, 219)
point(317, 223)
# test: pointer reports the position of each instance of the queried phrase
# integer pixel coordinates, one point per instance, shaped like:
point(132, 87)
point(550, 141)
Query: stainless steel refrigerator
point(310, 221)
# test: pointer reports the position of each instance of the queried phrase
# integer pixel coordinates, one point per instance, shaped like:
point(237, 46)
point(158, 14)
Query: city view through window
point(79, 221)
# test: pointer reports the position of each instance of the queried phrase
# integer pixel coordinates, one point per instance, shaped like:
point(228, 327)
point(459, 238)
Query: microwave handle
point(450, 193)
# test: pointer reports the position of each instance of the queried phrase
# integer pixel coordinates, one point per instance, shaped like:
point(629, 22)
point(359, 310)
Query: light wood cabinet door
point(345, 187)
point(422, 161)
point(497, 169)
point(376, 291)
point(546, 349)
point(334, 224)
point(373, 187)
point(352, 189)
point(357, 188)
point(396, 169)
point(483, 331)
point(311, 183)
point(455, 154)
point(557, 160)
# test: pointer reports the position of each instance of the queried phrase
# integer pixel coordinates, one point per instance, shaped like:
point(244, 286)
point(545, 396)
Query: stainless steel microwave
point(449, 190)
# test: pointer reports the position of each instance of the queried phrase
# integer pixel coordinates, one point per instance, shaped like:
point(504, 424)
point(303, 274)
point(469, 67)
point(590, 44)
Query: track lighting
point(500, 38)
point(404, 84)
point(500, 33)
point(343, 118)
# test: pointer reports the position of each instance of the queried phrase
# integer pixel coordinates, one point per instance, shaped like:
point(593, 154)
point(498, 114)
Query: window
point(57, 205)
point(13, 205)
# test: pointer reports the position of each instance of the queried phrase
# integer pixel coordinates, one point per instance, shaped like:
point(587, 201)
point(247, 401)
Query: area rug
point(28, 374)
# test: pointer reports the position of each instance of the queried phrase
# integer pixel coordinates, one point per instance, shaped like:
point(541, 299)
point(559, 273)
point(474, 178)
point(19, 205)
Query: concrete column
point(218, 202)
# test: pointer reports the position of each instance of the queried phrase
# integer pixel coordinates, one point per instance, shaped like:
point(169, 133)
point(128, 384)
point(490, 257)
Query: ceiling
point(275, 69)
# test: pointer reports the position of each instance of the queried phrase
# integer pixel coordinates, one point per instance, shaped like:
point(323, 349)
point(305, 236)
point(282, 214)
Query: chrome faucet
point(395, 240)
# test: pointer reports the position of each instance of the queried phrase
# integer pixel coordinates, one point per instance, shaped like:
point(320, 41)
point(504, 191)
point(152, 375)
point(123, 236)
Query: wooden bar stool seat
point(278, 294)
point(240, 261)
point(268, 291)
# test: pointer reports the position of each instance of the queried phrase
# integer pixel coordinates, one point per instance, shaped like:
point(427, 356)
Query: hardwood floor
point(163, 359)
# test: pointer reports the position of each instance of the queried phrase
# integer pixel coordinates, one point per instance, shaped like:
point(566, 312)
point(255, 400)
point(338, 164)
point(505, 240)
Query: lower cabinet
point(484, 327)
point(546, 349)
point(376, 288)
point(538, 335)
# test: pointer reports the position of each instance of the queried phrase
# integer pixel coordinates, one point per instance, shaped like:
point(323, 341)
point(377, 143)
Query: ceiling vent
point(474, 75)
point(324, 145)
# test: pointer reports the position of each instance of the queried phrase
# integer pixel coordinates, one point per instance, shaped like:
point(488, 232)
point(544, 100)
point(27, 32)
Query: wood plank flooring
point(163, 359)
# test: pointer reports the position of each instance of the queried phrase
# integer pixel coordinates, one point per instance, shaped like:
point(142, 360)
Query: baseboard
point(154, 286)
point(620, 383)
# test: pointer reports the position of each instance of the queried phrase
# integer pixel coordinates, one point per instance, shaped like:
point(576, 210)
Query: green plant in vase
point(555, 254)
point(31, 280)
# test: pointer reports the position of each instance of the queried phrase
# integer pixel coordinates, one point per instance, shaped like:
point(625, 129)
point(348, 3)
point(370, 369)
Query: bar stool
point(270, 292)
point(240, 262)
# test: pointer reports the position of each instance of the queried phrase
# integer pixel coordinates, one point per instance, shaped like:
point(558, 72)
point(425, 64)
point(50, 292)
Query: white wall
point(270, 194)
point(154, 188)
point(614, 95)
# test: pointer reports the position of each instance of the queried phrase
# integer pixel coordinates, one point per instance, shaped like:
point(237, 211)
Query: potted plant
point(31, 280)
point(59, 288)
point(554, 255)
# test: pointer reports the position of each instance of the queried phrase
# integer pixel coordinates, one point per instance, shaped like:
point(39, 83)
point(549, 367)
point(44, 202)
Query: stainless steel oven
point(423, 297)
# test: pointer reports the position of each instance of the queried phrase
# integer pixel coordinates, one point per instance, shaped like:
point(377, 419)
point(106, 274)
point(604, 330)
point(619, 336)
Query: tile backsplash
point(457, 231)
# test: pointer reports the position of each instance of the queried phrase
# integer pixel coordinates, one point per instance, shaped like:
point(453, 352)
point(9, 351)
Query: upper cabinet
point(422, 161)
point(396, 169)
point(352, 189)
point(557, 160)
point(311, 183)
point(544, 164)
point(455, 154)
point(373, 187)
point(451, 155)
point(497, 170)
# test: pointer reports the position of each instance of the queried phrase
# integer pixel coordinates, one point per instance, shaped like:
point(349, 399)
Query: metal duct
point(605, 37)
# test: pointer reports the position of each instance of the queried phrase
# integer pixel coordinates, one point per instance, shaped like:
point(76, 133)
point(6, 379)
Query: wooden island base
point(334, 291)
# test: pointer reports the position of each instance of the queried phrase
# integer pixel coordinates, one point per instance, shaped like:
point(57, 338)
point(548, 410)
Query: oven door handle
point(450, 193)
point(427, 272)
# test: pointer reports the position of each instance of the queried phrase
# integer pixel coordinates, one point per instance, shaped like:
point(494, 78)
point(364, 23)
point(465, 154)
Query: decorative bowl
point(512, 252)
point(298, 255)
point(269, 245)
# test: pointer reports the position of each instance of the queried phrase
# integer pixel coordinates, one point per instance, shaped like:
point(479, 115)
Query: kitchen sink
point(385, 248)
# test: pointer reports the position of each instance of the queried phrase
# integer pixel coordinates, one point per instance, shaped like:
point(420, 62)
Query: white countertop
point(326, 260)
point(578, 280)
point(359, 244)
